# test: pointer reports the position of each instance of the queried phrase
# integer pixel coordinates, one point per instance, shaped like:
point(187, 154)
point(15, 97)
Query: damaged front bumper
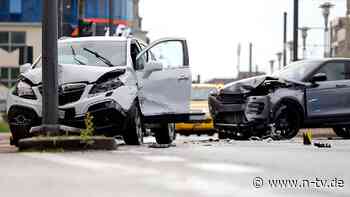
point(241, 113)
point(107, 116)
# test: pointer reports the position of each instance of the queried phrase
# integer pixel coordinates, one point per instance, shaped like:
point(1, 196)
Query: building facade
point(340, 35)
point(20, 26)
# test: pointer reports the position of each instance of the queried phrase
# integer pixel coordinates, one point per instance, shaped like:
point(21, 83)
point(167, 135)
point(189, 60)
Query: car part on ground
point(342, 131)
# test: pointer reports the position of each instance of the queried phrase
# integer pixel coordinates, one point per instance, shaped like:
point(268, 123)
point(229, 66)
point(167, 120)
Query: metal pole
point(110, 17)
point(295, 30)
point(49, 66)
point(285, 39)
point(272, 62)
point(279, 59)
point(60, 18)
point(250, 59)
point(304, 31)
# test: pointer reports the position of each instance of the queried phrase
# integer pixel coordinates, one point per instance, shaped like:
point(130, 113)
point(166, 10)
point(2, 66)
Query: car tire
point(133, 135)
point(343, 132)
point(165, 134)
point(21, 120)
point(287, 121)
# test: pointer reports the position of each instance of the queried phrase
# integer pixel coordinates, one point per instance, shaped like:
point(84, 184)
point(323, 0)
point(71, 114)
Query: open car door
point(164, 80)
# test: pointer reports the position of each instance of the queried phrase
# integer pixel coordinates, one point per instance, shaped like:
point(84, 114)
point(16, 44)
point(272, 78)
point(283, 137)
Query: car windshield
point(297, 71)
point(91, 53)
point(201, 94)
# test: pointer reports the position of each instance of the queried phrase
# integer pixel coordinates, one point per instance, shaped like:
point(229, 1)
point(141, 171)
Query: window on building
point(8, 76)
point(16, 6)
point(4, 6)
point(11, 41)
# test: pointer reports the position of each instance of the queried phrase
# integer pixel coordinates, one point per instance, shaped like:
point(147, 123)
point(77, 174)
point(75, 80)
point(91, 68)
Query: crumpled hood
point(71, 73)
point(239, 86)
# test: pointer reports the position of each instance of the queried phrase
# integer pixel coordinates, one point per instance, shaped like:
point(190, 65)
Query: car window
point(87, 52)
point(336, 71)
point(170, 54)
point(201, 93)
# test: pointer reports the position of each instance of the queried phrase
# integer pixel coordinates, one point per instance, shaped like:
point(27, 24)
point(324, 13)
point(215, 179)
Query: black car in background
point(305, 94)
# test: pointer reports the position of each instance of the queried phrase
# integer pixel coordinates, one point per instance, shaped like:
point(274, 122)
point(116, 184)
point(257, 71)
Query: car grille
point(69, 93)
point(231, 98)
point(231, 118)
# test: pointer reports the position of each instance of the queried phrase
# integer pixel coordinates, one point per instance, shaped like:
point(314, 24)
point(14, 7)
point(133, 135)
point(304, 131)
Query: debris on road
point(155, 145)
point(322, 145)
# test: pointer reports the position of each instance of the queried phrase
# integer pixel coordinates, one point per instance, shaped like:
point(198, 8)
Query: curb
point(67, 143)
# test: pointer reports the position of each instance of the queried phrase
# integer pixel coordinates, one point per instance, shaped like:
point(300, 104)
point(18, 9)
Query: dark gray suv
point(305, 94)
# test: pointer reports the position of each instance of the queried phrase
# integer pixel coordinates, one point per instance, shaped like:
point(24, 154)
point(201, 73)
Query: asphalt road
point(197, 166)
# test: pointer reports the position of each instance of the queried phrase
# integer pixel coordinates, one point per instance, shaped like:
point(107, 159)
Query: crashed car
point(305, 94)
point(130, 88)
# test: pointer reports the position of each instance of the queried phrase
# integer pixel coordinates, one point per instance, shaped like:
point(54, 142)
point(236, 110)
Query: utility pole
point(49, 66)
point(304, 31)
point(295, 30)
point(285, 39)
point(60, 18)
point(250, 59)
point(111, 13)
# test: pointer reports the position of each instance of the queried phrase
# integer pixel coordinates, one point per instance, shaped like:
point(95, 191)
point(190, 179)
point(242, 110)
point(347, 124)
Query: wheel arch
point(291, 102)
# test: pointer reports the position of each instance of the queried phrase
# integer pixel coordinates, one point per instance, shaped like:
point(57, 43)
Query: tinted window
point(336, 71)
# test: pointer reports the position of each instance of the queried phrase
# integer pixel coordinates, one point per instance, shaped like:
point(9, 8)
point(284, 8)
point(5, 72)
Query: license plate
point(61, 114)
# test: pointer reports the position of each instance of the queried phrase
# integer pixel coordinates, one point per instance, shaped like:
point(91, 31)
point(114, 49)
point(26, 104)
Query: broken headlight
point(105, 86)
point(24, 90)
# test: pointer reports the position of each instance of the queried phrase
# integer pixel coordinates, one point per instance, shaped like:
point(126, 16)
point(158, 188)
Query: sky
point(214, 28)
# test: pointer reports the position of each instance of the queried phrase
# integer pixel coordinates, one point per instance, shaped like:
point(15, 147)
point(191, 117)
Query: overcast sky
point(214, 28)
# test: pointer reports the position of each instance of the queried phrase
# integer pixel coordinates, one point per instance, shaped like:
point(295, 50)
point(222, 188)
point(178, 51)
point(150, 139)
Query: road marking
point(161, 158)
point(94, 165)
point(225, 168)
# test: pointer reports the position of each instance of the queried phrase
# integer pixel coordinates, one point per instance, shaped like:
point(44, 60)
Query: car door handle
point(341, 86)
point(183, 77)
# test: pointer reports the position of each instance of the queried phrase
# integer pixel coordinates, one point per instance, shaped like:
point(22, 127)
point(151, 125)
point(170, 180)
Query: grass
point(4, 127)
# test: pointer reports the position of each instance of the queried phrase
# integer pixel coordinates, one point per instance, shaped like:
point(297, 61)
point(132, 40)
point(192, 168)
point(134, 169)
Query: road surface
point(197, 166)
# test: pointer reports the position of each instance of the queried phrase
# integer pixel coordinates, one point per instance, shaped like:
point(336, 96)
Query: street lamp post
point(279, 58)
point(325, 12)
point(272, 62)
point(49, 66)
point(291, 51)
point(304, 31)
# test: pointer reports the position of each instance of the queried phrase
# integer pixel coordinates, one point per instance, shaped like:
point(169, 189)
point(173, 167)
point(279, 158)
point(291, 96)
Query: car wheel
point(343, 132)
point(133, 135)
point(287, 121)
point(21, 120)
point(165, 134)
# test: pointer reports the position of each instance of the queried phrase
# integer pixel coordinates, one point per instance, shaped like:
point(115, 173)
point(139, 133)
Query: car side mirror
point(319, 77)
point(151, 67)
point(25, 67)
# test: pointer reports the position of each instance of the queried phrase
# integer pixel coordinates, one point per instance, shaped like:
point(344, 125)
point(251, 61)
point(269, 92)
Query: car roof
point(94, 38)
point(206, 85)
point(328, 59)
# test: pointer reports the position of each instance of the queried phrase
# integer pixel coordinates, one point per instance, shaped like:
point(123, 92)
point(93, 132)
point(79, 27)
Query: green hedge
point(4, 127)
